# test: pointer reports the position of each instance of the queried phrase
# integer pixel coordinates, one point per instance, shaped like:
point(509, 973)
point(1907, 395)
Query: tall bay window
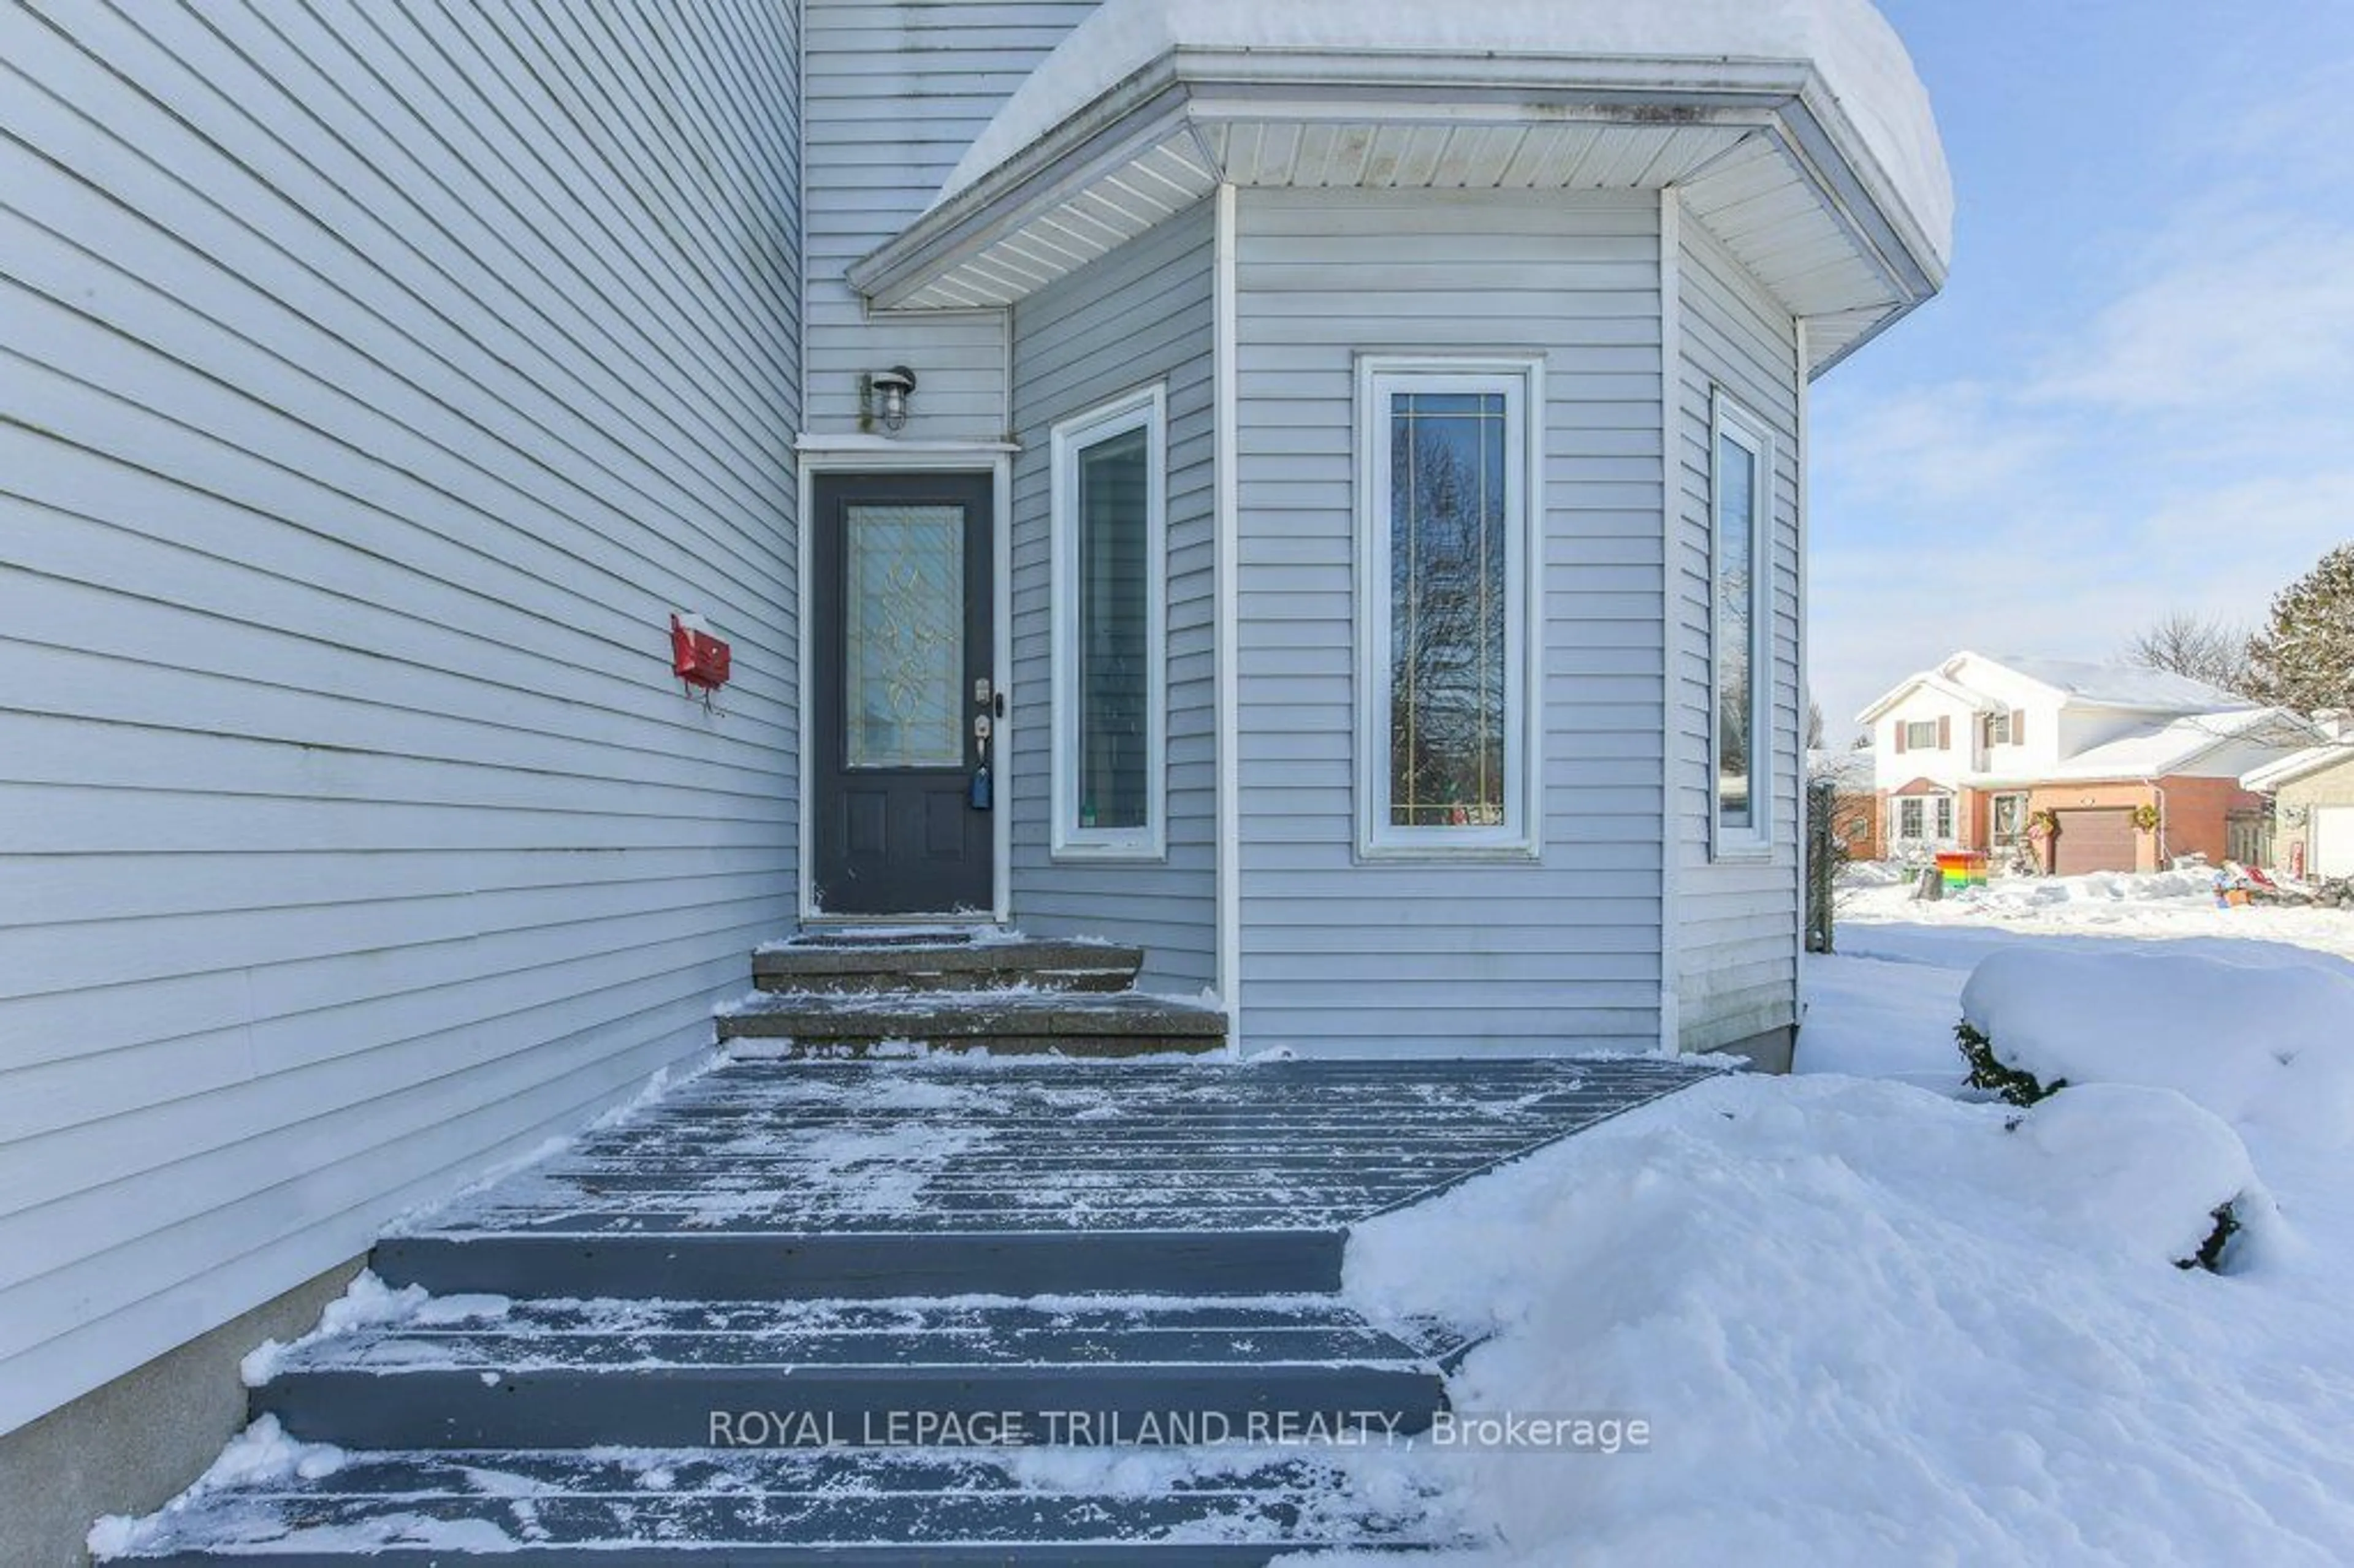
point(1109, 595)
point(1448, 606)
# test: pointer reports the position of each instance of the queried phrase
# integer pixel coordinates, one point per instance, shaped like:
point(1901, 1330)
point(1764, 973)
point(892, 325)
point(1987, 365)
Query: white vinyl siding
point(379, 379)
point(1346, 956)
point(1453, 655)
point(1110, 648)
point(1141, 316)
point(1736, 941)
point(897, 90)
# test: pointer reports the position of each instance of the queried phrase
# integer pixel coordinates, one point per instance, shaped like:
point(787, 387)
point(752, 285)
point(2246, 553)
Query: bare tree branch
point(2182, 643)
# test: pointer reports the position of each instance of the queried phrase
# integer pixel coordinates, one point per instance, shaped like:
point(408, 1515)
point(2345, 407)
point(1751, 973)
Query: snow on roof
point(2164, 750)
point(1862, 61)
point(2076, 680)
point(2115, 686)
point(2297, 765)
point(1935, 681)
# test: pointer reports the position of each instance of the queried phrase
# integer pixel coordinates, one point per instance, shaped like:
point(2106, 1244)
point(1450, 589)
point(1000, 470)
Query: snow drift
point(1870, 1324)
point(2262, 1044)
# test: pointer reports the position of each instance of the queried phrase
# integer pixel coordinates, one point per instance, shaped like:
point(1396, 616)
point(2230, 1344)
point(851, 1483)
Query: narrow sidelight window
point(1447, 519)
point(1742, 629)
point(1109, 589)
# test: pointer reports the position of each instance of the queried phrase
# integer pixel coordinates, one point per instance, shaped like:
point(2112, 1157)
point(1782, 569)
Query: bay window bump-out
point(1448, 606)
point(1110, 607)
point(1740, 629)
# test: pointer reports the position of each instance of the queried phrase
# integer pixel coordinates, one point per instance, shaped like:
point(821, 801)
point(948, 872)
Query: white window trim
point(1930, 744)
point(1520, 379)
point(1755, 842)
point(1146, 410)
point(2018, 816)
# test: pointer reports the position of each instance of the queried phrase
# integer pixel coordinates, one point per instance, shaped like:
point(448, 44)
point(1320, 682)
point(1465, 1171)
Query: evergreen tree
point(2304, 658)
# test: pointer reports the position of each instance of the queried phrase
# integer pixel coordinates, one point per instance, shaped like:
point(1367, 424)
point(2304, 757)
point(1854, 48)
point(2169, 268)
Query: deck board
point(923, 1148)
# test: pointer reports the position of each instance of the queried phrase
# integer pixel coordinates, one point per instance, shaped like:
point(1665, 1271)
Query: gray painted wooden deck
point(839, 1508)
point(852, 1247)
point(804, 1148)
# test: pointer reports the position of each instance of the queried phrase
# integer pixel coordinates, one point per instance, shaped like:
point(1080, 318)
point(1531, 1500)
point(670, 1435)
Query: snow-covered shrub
point(1988, 1071)
point(2265, 1043)
point(2148, 1165)
point(1867, 1324)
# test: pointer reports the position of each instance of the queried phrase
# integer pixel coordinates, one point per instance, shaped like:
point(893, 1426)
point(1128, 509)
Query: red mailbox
point(697, 657)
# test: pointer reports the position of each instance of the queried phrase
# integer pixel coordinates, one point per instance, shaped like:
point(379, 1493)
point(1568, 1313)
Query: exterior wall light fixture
point(883, 398)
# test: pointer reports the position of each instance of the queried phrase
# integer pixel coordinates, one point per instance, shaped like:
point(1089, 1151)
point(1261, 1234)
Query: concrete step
point(846, 1509)
point(1070, 1024)
point(641, 1374)
point(852, 961)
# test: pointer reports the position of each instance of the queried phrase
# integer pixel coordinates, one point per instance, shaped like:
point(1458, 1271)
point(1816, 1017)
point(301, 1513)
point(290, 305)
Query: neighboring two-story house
point(1314, 490)
point(2077, 766)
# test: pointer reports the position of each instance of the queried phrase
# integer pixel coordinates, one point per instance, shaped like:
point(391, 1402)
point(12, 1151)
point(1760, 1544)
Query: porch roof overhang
point(1818, 167)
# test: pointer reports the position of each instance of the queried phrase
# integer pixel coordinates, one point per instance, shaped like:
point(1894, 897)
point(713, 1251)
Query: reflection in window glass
point(1736, 623)
point(1449, 609)
point(1113, 674)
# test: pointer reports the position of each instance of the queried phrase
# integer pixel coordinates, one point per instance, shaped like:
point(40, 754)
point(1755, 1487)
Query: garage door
point(2333, 841)
point(2096, 840)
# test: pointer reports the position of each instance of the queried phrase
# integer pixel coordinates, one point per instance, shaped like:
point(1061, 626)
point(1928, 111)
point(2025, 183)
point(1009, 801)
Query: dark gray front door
point(902, 598)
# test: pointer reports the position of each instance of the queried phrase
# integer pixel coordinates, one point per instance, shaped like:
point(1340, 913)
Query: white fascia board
point(1183, 88)
point(1929, 679)
point(2298, 765)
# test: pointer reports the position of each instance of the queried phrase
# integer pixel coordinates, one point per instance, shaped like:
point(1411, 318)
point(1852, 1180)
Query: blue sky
point(2136, 394)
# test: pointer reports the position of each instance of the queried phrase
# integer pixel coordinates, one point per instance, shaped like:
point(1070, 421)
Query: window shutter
point(2019, 726)
point(1945, 731)
point(1901, 727)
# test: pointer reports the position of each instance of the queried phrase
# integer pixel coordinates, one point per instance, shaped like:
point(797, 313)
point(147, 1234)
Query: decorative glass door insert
point(904, 644)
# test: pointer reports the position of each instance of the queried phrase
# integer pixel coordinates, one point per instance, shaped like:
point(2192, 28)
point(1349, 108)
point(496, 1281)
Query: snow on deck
point(932, 1147)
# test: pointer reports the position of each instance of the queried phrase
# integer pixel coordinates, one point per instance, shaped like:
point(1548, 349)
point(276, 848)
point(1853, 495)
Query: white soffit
point(1103, 214)
point(1541, 156)
point(1834, 196)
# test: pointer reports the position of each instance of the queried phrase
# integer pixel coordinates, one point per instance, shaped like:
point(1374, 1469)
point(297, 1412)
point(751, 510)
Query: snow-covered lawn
point(1869, 1319)
point(2174, 903)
